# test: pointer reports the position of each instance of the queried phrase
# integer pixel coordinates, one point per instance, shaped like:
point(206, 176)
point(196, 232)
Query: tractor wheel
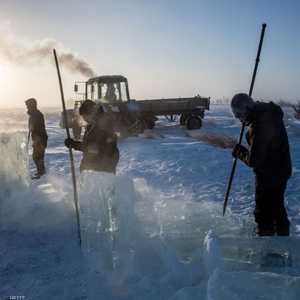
point(182, 119)
point(150, 124)
point(193, 122)
point(137, 127)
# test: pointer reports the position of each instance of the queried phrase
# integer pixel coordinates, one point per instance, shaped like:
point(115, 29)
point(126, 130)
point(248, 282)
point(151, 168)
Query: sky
point(164, 48)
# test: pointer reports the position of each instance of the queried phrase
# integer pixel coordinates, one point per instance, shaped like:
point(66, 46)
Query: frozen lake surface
point(154, 231)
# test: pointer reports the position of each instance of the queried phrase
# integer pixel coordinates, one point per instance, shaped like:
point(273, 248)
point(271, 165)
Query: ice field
point(154, 231)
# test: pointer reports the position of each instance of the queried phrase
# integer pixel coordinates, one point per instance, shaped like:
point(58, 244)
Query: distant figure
point(99, 145)
point(269, 156)
point(39, 136)
point(76, 125)
point(111, 93)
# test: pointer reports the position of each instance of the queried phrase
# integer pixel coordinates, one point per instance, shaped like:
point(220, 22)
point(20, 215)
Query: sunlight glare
point(1, 72)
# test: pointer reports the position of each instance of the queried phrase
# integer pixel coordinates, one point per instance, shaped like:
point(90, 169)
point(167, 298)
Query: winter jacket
point(269, 154)
point(37, 128)
point(100, 151)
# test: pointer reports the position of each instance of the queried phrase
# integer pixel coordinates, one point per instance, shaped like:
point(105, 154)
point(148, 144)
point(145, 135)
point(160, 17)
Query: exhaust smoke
point(21, 52)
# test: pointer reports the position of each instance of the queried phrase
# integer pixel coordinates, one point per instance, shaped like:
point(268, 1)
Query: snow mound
point(252, 285)
point(212, 253)
point(13, 161)
point(123, 261)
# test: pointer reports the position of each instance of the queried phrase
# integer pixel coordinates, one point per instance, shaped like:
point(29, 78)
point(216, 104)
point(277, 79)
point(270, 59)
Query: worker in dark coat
point(99, 144)
point(38, 134)
point(269, 156)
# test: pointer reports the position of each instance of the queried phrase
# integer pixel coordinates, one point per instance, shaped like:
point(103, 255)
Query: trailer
point(131, 115)
point(191, 110)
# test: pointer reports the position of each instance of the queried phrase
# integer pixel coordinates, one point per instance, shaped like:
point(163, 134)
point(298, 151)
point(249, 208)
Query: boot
point(40, 168)
point(283, 230)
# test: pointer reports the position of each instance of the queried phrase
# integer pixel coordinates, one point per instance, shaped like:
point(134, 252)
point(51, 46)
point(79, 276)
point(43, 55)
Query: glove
point(69, 143)
point(249, 136)
point(241, 152)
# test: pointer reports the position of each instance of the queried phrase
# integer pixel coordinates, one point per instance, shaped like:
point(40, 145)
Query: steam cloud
point(16, 51)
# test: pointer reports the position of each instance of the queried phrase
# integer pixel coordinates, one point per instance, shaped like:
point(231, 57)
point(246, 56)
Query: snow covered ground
point(155, 231)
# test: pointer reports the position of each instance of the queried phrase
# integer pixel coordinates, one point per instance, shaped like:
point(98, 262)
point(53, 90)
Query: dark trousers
point(38, 156)
point(100, 163)
point(270, 212)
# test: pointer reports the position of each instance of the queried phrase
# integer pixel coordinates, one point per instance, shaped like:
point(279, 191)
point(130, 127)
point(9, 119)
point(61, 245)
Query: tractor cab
point(111, 89)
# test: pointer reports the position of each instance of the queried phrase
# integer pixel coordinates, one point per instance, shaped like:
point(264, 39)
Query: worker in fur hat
point(99, 144)
point(268, 155)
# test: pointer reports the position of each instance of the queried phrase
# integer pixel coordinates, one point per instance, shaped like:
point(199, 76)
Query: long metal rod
point(76, 202)
point(28, 141)
point(243, 125)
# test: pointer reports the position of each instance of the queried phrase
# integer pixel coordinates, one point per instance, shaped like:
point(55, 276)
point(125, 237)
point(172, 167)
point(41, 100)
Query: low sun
point(1, 72)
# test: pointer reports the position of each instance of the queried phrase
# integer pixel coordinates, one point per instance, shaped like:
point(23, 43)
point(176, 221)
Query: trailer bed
point(173, 106)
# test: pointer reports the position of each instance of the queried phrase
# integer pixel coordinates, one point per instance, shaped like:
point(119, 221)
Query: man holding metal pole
point(269, 157)
point(243, 124)
point(99, 145)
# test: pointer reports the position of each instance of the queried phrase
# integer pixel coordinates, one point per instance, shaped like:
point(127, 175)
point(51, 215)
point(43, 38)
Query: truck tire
point(193, 122)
